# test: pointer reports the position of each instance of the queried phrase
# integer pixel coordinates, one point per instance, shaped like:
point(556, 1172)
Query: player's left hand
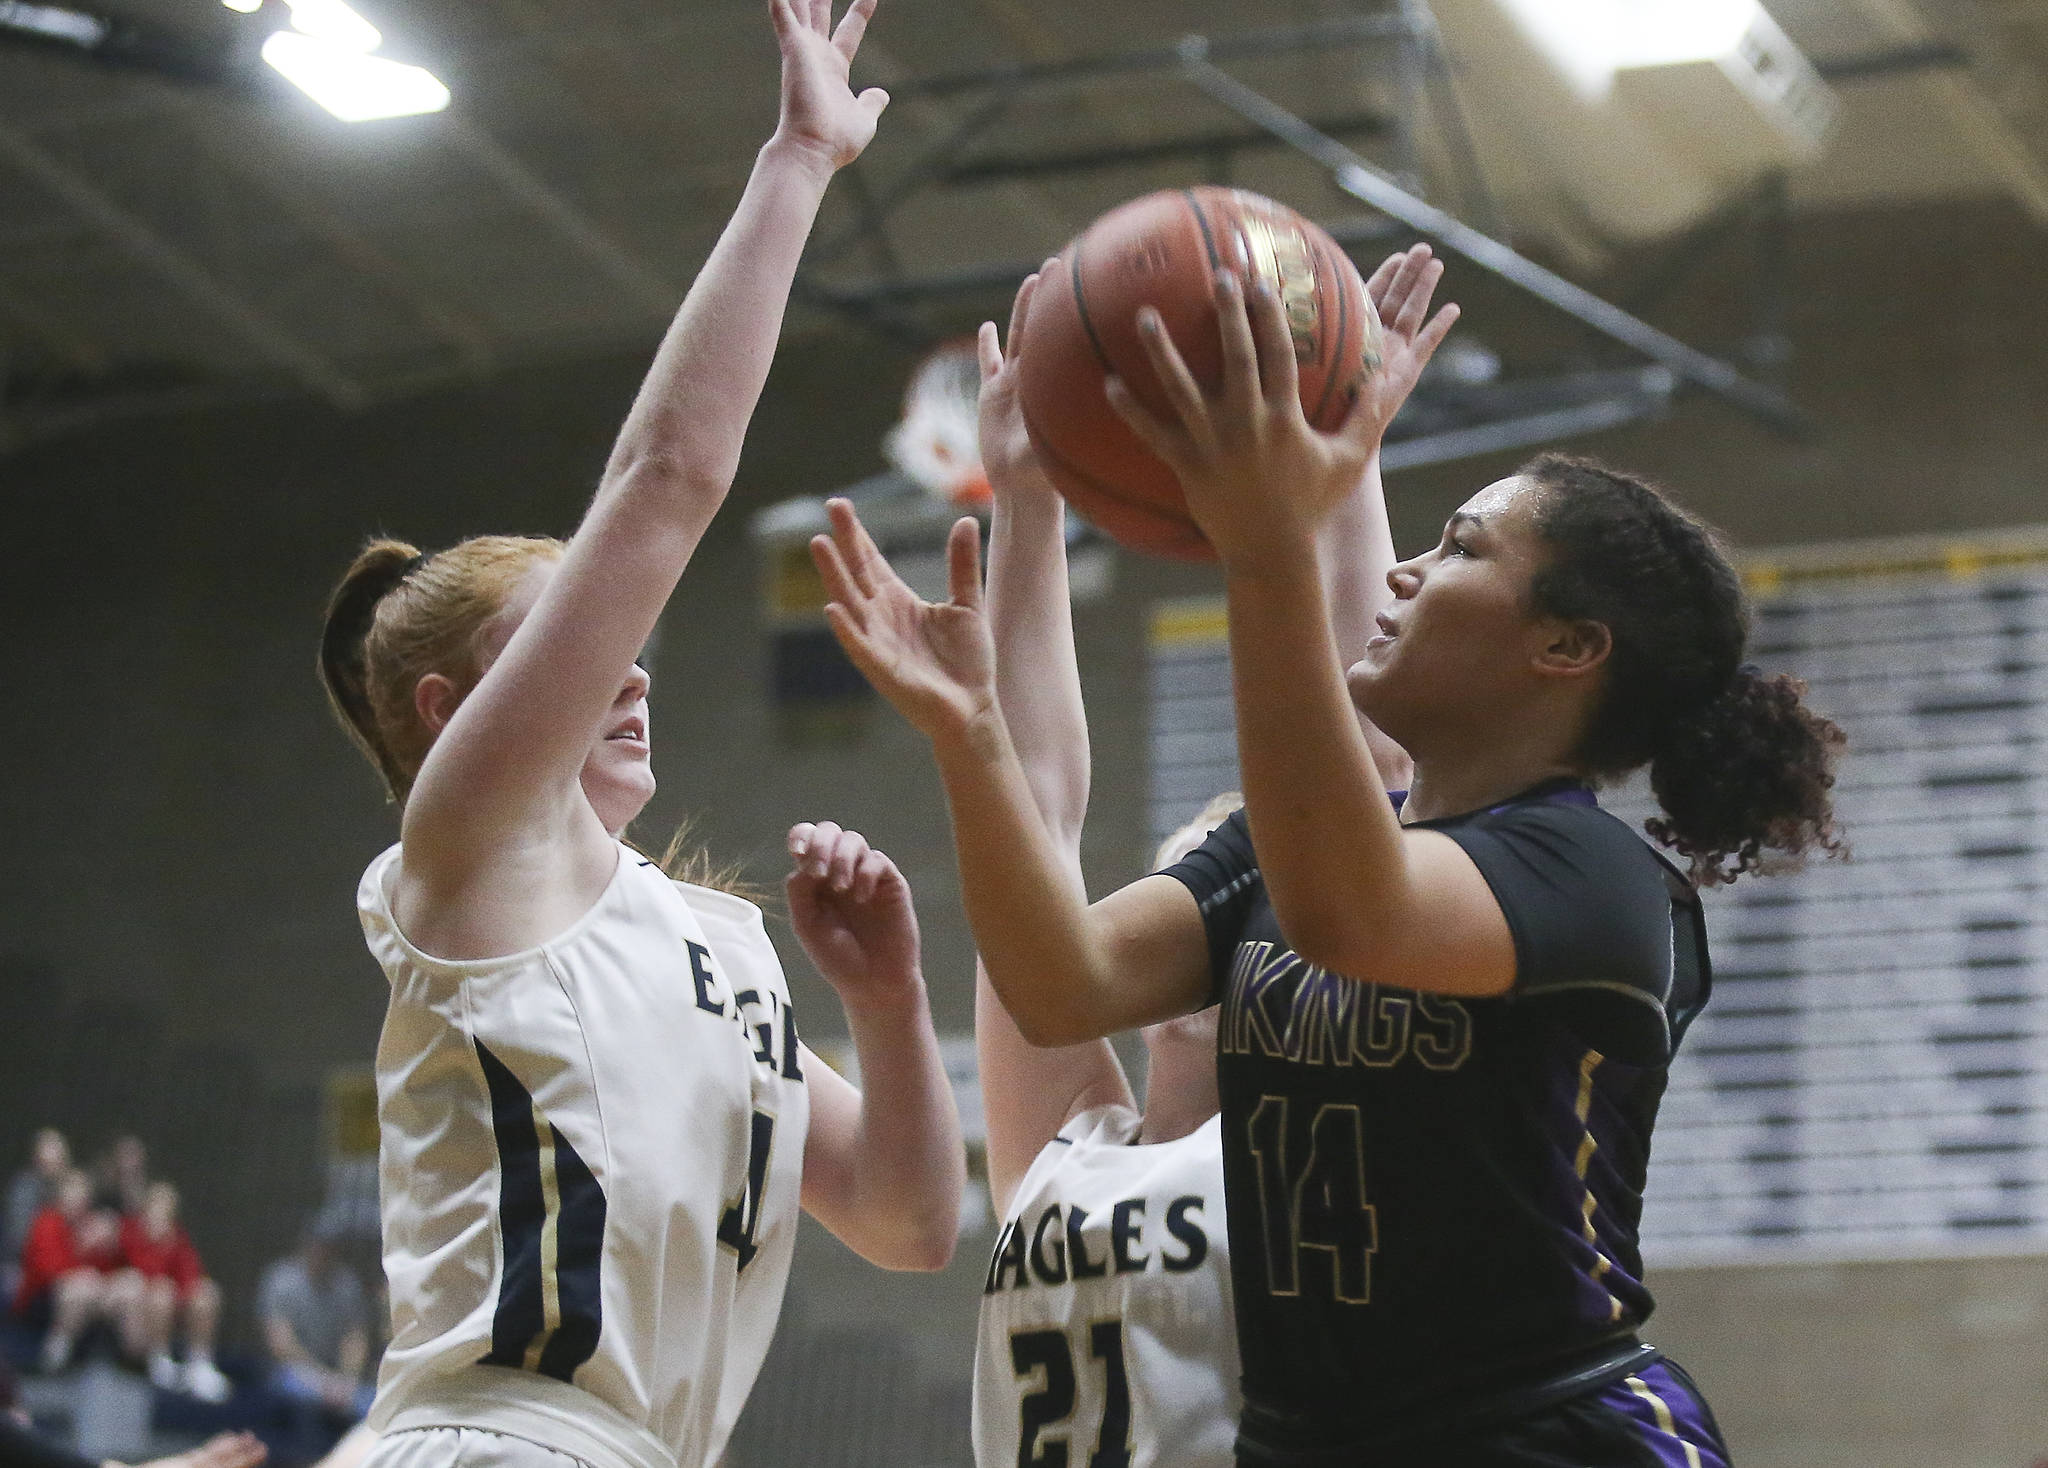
point(852, 912)
point(820, 112)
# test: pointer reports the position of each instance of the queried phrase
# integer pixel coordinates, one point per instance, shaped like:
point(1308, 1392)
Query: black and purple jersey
point(1433, 1201)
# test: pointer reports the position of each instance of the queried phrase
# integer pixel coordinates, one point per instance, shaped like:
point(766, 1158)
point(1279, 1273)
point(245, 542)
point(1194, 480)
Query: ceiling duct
point(1614, 122)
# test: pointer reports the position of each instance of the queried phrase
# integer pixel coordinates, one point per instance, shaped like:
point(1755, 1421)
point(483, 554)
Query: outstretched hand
point(935, 661)
point(820, 112)
point(1258, 477)
point(1006, 454)
point(852, 912)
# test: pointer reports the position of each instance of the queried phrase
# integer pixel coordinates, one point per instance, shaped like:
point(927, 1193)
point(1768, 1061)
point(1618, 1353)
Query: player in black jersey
point(1444, 1034)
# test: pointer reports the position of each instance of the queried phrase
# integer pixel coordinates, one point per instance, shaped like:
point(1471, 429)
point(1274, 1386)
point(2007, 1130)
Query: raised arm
point(883, 1165)
point(1028, 1092)
point(1356, 546)
point(1067, 972)
point(1350, 888)
point(497, 798)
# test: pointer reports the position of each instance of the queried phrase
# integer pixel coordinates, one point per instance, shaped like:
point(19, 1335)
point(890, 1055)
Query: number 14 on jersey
point(1315, 1203)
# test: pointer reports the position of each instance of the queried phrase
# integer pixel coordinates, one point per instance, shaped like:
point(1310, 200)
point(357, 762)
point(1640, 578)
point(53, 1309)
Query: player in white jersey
point(1106, 1321)
point(597, 1119)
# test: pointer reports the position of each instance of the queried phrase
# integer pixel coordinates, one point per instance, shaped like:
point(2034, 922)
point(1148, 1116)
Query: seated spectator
point(120, 1179)
point(72, 1275)
point(175, 1293)
point(316, 1326)
point(29, 1192)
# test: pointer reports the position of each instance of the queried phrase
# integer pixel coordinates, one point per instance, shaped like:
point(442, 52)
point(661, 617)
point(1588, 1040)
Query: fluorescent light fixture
point(1589, 40)
point(351, 85)
point(54, 22)
point(1669, 32)
point(333, 22)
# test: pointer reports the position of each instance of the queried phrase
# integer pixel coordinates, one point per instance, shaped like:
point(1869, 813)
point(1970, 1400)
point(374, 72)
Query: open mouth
point(633, 731)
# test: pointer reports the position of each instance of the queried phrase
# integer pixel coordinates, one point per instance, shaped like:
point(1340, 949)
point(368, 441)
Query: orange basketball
point(1164, 251)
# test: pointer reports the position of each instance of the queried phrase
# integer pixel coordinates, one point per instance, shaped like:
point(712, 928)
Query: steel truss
point(1448, 420)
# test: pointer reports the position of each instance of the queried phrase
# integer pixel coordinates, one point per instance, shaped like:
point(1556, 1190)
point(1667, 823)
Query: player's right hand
point(935, 661)
point(820, 112)
point(852, 912)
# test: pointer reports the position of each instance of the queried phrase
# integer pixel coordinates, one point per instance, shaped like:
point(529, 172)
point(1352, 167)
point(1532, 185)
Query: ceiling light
point(1589, 40)
point(247, 7)
point(53, 22)
point(334, 22)
point(353, 86)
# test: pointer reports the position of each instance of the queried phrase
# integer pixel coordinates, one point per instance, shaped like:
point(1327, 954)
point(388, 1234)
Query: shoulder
point(1572, 851)
point(1110, 1125)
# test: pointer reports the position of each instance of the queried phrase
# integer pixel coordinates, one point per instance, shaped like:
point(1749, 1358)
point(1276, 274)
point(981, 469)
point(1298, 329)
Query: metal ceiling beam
point(1001, 167)
point(181, 271)
point(1359, 179)
point(1357, 30)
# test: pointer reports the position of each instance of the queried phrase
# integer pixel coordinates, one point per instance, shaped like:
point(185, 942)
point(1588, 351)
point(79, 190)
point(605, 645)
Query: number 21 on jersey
point(1033, 1352)
point(1316, 1203)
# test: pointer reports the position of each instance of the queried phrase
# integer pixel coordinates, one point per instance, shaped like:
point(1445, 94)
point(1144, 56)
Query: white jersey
point(590, 1160)
point(1106, 1315)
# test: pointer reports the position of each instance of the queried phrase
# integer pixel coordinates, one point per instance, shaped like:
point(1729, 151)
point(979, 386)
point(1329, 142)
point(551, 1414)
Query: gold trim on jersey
point(1602, 1265)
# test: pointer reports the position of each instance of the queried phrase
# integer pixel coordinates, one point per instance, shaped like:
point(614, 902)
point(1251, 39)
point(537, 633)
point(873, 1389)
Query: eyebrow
point(1464, 517)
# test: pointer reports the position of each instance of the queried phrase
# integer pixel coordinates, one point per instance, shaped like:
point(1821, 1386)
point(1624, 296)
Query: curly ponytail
point(1742, 768)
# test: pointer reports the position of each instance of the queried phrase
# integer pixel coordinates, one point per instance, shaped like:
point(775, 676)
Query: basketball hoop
point(937, 444)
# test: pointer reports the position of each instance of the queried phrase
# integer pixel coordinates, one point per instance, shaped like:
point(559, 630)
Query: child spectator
point(316, 1325)
point(72, 1275)
point(175, 1292)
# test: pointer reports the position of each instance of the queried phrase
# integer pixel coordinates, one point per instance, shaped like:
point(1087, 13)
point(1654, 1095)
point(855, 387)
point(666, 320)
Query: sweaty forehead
point(1511, 500)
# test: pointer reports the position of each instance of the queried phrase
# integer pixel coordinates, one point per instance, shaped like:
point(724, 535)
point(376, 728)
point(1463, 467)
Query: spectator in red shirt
point(72, 1274)
point(175, 1292)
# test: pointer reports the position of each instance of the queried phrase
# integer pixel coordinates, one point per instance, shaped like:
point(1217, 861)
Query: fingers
point(1376, 286)
point(1152, 431)
point(782, 18)
point(1240, 351)
point(963, 563)
point(863, 558)
point(1183, 393)
point(852, 26)
point(816, 859)
point(847, 854)
point(1432, 336)
point(818, 15)
point(988, 351)
point(1405, 275)
point(840, 587)
point(1415, 308)
point(1022, 304)
point(1279, 371)
point(800, 836)
point(874, 101)
point(868, 876)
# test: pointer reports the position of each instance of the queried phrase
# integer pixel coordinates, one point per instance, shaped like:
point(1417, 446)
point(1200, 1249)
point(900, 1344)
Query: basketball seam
point(1343, 321)
point(1087, 322)
point(1165, 517)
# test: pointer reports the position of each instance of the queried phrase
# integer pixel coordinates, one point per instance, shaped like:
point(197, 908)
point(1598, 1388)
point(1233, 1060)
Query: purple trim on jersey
point(1691, 1423)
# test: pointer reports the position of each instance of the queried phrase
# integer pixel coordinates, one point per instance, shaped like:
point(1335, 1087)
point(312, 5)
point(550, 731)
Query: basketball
point(1162, 251)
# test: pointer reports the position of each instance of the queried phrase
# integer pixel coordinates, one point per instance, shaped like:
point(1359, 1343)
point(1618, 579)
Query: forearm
point(690, 418)
point(1038, 681)
point(1356, 551)
point(1022, 894)
point(906, 1167)
point(1330, 847)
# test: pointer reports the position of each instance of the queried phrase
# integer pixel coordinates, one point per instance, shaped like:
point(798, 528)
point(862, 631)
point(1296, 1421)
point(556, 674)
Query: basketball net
point(937, 443)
